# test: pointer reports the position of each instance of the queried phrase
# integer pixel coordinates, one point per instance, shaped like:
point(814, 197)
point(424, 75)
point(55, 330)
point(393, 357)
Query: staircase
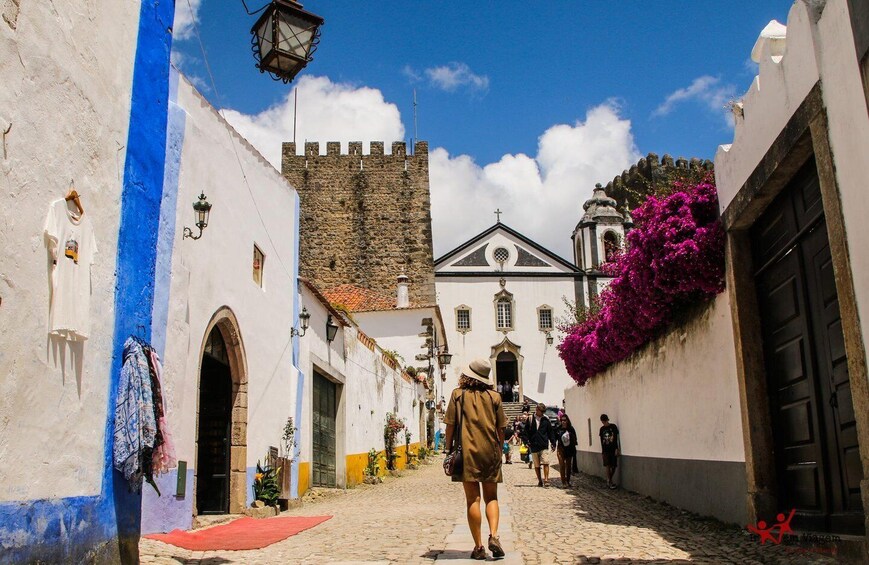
point(513, 409)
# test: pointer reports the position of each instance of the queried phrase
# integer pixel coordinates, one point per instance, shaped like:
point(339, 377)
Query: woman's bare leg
point(472, 498)
point(493, 511)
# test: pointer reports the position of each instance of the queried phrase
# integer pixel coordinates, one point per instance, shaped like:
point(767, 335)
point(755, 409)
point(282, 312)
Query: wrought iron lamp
point(331, 329)
point(284, 38)
point(202, 208)
point(549, 338)
point(304, 320)
point(444, 357)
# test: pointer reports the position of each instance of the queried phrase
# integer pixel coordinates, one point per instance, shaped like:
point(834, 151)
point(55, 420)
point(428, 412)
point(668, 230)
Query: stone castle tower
point(365, 219)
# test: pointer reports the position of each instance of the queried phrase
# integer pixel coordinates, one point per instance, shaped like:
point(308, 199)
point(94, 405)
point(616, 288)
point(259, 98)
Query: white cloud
point(328, 111)
point(541, 196)
point(186, 16)
point(708, 90)
point(450, 77)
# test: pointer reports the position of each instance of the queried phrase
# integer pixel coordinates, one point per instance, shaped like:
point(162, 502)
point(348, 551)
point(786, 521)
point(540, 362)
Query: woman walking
point(475, 409)
point(567, 441)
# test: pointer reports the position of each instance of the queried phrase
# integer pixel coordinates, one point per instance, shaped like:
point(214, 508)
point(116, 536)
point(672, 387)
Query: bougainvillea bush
point(673, 260)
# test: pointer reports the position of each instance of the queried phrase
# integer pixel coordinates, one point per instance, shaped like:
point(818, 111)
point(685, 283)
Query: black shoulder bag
point(453, 460)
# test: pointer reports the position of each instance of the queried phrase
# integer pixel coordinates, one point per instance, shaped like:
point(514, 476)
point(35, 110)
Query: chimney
point(403, 301)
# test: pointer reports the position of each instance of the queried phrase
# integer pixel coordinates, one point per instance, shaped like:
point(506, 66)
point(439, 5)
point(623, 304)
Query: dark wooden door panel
point(212, 464)
point(814, 429)
point(324, 432)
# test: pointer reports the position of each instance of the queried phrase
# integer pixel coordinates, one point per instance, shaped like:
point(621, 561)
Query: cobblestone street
point(419, 518)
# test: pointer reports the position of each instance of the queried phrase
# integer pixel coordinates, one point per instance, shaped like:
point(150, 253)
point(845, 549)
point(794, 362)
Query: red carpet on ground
point(244, 533)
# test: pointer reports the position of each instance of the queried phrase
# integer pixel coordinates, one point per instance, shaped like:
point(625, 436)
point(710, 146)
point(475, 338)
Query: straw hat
point(478, 369)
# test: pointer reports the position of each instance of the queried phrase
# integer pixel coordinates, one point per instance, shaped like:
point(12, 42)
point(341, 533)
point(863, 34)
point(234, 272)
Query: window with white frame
point(463, 319)
point(504, 314)
point(544, 318)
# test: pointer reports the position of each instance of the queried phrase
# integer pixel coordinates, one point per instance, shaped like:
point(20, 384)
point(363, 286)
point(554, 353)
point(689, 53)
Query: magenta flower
point(674, 259)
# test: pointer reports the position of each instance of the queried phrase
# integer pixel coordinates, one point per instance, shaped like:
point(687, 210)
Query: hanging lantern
point(284, 39)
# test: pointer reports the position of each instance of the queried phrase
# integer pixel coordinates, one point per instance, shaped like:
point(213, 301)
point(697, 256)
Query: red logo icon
point(768, 532)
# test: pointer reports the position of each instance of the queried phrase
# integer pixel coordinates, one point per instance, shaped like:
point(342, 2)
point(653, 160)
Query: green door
point(324, 431)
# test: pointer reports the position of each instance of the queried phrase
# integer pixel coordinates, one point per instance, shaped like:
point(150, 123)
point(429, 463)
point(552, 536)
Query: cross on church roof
point(498, 213)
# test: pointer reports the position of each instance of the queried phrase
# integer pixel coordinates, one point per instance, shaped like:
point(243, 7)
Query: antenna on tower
point(295, 110)
point(415, 132)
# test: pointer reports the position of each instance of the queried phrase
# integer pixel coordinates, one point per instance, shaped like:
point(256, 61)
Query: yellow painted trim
point(356, 463)
point(304, 478)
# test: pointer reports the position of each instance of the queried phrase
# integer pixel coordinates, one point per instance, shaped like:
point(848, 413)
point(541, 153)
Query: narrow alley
point(419, 518)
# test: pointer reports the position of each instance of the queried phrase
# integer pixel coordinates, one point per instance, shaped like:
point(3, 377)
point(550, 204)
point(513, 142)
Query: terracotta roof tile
point(358, 299)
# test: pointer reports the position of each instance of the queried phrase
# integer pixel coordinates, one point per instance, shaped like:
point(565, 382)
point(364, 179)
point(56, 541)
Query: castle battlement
point(642, 177)
point(376, 150)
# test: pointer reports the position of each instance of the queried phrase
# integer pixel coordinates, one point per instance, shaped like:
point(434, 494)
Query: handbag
point(453, 460)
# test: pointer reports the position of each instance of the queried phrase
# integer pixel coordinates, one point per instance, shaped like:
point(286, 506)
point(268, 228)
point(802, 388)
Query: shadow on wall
point(61, 352)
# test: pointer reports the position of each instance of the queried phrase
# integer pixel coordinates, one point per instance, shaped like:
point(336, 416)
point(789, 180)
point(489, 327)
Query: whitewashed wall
point(398, 330)
point(369, 388)
point(528, 293)
point(215, 272)
point(65, 84)
point(676, 403)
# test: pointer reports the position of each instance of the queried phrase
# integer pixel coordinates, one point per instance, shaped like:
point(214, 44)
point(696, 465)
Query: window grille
point(463, 319)
point(544, 319)
point(505, 315)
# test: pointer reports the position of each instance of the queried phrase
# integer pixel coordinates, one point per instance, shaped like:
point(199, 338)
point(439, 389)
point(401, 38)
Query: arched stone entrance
point(220, 482)
point(507, 363)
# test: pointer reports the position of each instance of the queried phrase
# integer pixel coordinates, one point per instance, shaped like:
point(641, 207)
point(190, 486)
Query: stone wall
point(649, 173)
point(365, 219)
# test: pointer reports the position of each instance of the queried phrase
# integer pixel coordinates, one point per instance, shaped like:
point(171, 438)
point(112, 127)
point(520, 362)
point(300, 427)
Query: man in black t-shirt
point(610, 448)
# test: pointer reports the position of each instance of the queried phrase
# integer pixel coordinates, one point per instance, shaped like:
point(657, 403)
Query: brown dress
point(482, 417)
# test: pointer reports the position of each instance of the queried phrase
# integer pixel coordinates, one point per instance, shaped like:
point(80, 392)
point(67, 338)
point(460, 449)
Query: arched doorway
point(507, 371)
point(221, 434)
point(507, 363)
point(214, 425)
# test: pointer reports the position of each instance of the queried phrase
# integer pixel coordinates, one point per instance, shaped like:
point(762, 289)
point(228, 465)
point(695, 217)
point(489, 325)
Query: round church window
point(501, 255)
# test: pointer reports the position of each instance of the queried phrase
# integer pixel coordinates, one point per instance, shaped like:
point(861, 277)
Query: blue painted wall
point(105, 528)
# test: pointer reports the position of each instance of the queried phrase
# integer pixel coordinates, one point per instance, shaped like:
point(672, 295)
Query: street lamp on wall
point(331, 329)
point(304, 320)
point(284, 38)
point(202, 208)
point(444, 357)
point(549, 338)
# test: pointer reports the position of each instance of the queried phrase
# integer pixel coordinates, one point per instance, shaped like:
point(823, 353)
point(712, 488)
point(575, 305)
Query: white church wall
point(676, 403)
point(528, 293)
point(215, 273)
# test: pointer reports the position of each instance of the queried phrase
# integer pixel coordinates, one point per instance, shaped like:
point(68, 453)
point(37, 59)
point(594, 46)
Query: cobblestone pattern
point(591, 524)
point(403, 520)
point(365, 219)
point(419, 517)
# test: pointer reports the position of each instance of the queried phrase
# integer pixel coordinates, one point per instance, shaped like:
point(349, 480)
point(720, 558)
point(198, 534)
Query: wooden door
point(816, 450)
point(324, 413)
point(212, 462)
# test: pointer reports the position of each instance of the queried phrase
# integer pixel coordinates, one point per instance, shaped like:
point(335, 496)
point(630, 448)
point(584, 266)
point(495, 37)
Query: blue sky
point(522, 103)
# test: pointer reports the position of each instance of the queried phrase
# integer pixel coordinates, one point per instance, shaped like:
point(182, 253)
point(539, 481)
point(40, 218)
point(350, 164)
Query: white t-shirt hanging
point(71, 242)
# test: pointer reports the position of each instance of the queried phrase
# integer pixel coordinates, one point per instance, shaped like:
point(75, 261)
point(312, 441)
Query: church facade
point(504, 296)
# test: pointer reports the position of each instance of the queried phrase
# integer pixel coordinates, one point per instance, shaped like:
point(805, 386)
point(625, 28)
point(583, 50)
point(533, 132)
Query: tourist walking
point(541, 441)
point(610, 445)
point(475, 420)
point(566, 451)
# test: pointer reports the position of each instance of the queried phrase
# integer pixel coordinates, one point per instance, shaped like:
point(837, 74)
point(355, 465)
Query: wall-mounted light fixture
point(202, 208)
point(284, 38)
point(331, 329)
point(304, 320)
point(549, 338)
point(444, 357)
